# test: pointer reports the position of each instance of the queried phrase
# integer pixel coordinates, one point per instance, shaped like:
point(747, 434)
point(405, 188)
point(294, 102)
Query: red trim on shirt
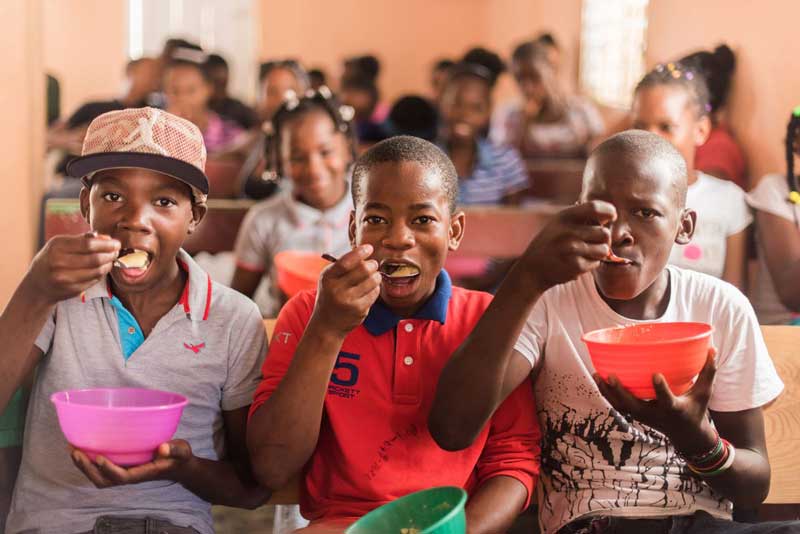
point(185, 297)
point(208, 299)
point(249, 267)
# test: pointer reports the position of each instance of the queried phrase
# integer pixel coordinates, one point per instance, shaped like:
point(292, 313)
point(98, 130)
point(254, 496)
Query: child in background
point(489, 173)
point(221, 102)
point(612, 463)
point(363, 353)
point(83, 321)
point(548, 122)
point(276, 79)
point(776, 295)
point(187, 89)
point(362, 94)
point(720, 155)
point(672, 101)
point(309, 149)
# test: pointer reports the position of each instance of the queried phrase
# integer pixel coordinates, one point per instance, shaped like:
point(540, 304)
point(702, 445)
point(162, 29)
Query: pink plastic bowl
point(298, 270)
point(125, 425)
point(635, 353)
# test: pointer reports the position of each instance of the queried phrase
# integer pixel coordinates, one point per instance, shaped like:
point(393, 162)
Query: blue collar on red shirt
point(381, 319)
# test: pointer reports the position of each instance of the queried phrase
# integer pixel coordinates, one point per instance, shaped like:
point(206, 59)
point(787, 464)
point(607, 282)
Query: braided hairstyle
point(294, 107)
point(683, 76)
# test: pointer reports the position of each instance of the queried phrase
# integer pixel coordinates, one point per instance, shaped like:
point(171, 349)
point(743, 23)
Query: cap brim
point(176, 168)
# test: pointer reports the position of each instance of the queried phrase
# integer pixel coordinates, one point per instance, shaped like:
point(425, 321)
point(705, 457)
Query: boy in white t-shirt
point(611, 462)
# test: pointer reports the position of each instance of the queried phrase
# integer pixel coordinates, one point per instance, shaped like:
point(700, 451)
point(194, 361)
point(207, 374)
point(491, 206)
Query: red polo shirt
point(374, 445)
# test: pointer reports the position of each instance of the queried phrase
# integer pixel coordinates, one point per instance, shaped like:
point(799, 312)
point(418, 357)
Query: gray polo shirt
point(284, 223)
point(81, 343)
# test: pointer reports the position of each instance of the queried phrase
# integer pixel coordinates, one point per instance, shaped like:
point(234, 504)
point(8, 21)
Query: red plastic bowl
point(635, 353)
point(126, 425)
point(298, 271)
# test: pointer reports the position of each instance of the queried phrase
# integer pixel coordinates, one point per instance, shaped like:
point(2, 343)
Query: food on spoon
point(613, 258)
point(399, 270)
point(132, 259)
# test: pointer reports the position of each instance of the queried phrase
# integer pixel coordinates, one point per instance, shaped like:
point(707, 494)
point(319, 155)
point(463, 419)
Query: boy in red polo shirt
point(352, 370)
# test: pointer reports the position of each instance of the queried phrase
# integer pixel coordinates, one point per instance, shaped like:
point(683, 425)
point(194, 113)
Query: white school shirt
point(594, 460)
point(721, 212)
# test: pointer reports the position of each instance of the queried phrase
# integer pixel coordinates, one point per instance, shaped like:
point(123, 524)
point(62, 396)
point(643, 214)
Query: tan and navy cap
point(144, 138)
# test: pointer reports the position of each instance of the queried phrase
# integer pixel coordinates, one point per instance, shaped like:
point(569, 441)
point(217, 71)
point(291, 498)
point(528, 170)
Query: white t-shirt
point(594, 460)
point(770, 196)
point(721, 212)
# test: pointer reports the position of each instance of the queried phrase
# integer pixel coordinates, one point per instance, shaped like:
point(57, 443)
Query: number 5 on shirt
point(345, 373)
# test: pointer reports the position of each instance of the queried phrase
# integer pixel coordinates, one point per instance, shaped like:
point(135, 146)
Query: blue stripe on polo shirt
point(130, 334)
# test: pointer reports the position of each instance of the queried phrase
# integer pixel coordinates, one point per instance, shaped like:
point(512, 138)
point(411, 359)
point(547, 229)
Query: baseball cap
point(144, 138)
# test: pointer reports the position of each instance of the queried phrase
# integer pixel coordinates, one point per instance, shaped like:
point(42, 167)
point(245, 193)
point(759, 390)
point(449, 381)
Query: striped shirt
point(498, 172)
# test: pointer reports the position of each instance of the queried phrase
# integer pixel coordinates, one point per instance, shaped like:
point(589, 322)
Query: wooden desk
point(502, 232)
point(555, 179)
point(782, 418)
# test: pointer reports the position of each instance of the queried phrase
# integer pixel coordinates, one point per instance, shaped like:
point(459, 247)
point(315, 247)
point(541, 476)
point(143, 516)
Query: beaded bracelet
point(710, 456)
point(719, 466)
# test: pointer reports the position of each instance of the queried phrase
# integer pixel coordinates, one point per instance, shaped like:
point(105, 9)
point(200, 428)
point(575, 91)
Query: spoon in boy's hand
point(613, 258)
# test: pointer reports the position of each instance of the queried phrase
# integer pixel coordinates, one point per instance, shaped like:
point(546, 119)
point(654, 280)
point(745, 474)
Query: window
point(612, 49)
point(227, 28)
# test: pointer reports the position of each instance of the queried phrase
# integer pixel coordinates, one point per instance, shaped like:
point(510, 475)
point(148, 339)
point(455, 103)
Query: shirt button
point(408, 327)
point(408, 360)
point(131, 330)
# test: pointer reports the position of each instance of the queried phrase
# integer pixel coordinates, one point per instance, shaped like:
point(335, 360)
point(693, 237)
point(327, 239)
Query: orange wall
point(85, 47)
point(21, 138)
point(406, 36)
point(767, 81)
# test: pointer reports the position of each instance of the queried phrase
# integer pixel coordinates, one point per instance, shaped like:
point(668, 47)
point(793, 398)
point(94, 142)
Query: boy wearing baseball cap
point(125, 306)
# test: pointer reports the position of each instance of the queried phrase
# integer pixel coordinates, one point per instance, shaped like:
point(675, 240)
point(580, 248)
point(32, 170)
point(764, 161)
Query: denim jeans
point(698, 523)
point(130, 525)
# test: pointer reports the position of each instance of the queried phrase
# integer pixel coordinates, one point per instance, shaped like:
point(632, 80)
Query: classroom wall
point(406, 36)
point(21, 138)
point(85, 47)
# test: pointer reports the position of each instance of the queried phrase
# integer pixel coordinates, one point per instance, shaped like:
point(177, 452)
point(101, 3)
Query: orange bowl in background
point(635, 353)
point(298, 270)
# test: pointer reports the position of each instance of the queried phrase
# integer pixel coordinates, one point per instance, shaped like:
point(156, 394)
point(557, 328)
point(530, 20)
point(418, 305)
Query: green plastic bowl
point(430, 511)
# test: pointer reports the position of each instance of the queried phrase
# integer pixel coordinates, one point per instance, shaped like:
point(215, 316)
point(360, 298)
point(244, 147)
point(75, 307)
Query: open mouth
point(131, 258)
point(398, 271)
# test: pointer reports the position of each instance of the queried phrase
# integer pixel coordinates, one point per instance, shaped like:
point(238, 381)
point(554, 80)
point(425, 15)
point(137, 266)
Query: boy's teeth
point(137, 259)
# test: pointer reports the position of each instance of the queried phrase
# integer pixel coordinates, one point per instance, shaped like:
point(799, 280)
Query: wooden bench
point(782, 425)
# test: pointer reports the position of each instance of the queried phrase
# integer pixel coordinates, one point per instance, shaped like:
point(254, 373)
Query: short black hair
point(367, 66)
point(413, 115)
point(291, 65)
point(216, 60)
point(530, 51)
point(190, 57)
point(404, 148)
point(363, 84)
point(641, 143)
point(481, 63)
point(683, 76)
point(717, 67)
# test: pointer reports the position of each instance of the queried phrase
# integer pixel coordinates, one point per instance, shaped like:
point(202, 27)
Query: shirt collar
point(381, 319)
point(196, 296)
